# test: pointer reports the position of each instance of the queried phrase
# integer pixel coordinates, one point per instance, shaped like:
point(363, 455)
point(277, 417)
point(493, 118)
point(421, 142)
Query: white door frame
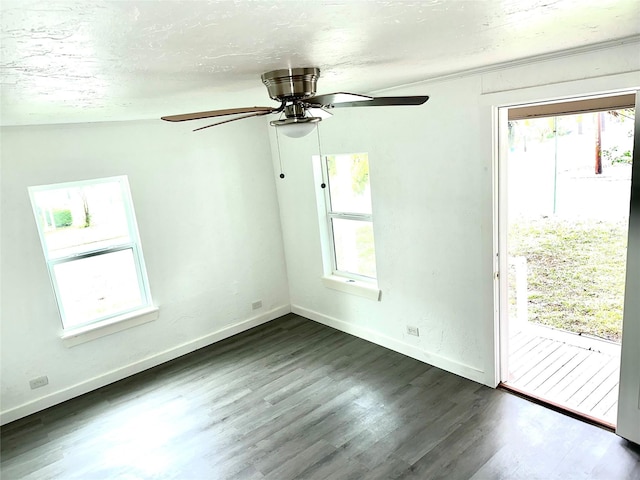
point(628, 423)
point(500, 244)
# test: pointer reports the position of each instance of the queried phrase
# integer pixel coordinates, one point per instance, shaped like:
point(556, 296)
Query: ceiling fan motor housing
point(291, 84)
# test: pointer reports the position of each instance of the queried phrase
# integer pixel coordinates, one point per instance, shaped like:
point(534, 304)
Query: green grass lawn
point(575, 274)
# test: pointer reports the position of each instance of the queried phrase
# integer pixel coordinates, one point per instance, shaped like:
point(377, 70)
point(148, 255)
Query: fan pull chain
point(323, 184)
point(279, 155)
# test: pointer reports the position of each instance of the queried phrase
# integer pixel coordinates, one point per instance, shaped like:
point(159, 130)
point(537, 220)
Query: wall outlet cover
point(38, 382)
point(411, 330)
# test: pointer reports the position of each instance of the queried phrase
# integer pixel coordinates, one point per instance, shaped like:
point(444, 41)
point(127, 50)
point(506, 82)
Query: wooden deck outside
point(582, 378)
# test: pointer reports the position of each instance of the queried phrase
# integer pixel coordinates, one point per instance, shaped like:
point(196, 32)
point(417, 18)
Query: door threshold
point(557, 407)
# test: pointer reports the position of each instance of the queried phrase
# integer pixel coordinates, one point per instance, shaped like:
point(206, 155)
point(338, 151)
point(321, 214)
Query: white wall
point(208, 218)
point(431, 171)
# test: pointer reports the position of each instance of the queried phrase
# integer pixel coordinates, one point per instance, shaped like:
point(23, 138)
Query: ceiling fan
point(295, 89)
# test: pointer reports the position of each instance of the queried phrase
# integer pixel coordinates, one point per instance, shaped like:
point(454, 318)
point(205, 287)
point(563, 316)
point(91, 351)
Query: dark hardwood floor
point(294, 399)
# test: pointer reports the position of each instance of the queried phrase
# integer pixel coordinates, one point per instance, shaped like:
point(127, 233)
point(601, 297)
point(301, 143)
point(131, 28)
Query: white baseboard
point(133, 368)
point(412, 351)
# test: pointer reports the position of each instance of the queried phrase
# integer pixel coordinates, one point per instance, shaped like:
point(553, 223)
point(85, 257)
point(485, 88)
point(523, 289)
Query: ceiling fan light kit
point(296, 127)
point(297, 122)
point(295, 89)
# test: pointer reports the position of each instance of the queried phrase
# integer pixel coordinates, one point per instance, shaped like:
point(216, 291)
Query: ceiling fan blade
point(256, 114)
point(385, 101)
point(319, 112)
point(217, 113)
point(335, 98)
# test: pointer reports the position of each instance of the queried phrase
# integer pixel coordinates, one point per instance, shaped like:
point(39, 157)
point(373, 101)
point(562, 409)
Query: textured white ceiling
point(90, 60)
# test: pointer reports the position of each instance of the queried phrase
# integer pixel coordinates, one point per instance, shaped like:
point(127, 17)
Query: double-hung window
point(347, 203)
point(92, 249)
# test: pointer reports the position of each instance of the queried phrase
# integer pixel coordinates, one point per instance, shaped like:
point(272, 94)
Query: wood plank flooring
point(582, 380)
point(293, 399)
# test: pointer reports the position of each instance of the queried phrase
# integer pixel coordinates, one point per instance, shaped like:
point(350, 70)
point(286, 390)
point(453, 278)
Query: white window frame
point(334, 278)
point(145, 307)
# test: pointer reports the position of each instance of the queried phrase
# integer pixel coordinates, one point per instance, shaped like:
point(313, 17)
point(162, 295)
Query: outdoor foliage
point(62, 218)
point(613, 156)
point(366, 251)
point(576, 273)
point(359, 173)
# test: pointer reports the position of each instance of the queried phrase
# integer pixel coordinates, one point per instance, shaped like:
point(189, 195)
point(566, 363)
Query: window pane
point(354, 247)
point(349, 183)
point(81, 219)
point(97, 286)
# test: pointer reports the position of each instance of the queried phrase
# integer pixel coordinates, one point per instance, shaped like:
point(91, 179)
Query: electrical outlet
point(39, 382)
point(411, 330)
point(256, 305)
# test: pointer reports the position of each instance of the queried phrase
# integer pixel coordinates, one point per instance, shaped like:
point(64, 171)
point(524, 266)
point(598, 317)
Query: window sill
point(76, 336)
point(354, 287)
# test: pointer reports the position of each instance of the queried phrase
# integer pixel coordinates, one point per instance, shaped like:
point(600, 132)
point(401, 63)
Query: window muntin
point(92, 249)
point(349, 215)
